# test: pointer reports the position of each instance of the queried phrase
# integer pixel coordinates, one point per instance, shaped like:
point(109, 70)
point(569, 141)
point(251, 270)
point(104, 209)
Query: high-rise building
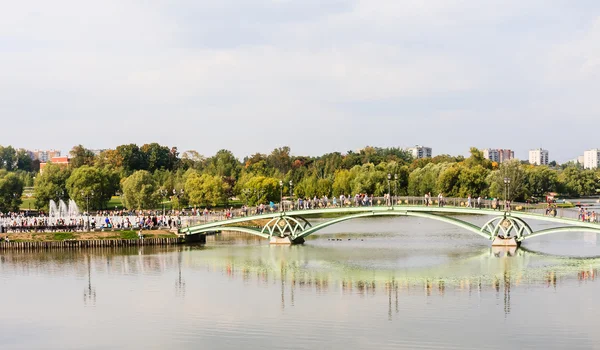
point(44, 155)
point(538, 156)
point(420, 152)
point(498, 155)
point(591, 158)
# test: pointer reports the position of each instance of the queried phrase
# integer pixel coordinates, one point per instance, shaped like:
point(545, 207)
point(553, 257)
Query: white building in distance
point(538, 156)
point(419, 152)
point(498, 155)
point(591, 158)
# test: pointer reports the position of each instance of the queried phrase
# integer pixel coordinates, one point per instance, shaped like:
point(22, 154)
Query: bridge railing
point(396, 201)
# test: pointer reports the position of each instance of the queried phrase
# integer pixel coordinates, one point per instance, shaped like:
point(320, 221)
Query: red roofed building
point(62, 161)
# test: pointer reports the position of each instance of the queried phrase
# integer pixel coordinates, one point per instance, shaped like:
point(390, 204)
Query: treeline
point(144, 176)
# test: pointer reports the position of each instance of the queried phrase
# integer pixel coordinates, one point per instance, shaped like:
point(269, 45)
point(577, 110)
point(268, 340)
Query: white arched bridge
point(291, 227)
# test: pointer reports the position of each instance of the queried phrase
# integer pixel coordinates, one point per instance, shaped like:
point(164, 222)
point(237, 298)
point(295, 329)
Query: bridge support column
point(196, 238)
point(285, 240)
point(505, 242)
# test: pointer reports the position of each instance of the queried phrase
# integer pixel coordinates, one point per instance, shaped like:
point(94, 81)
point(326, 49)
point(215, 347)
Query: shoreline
point(19, 237)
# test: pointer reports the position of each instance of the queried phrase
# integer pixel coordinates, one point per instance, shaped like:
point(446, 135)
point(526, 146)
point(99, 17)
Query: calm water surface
point(384, 283)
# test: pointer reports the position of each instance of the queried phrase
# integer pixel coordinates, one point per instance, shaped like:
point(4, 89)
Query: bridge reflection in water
point(318, 270)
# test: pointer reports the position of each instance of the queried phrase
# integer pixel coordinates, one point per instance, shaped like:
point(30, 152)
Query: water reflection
point(313, 269)
point(89, 293)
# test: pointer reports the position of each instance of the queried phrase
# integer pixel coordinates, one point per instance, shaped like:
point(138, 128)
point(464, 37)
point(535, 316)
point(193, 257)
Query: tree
point(341, 183)
point(513, 170)
point(93, 184)
point(473, 181)
point(205, 189)
point(140, 191)
point(109, 158)
point(579, 182)
point(223, 164)
point(133, 158)
point(11, 191)
point(280, 159)
point(540, 180)
point(24, 161)
point(51, 184)
point(81, 156)
point(8, 158)
point(448, 181)
point(157, 157)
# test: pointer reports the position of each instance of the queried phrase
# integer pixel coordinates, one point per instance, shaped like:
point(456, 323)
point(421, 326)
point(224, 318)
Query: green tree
point(24, 161)
point(448, 182)
point(140, 191)
point(513, 170)
point(540, 180)
point(473, 182)
point(11, 190)
point(93, 184)
point(132, 157)
point(81, 156)
point(223, 164)
point(205, 189)
point(8, 158)
point(342, 183)
point(577, 182)
point(157, 157)
point(51, 184)
point(280, 159)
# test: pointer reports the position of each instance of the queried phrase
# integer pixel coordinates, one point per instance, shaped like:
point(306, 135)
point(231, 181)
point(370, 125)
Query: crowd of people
point(587, 215)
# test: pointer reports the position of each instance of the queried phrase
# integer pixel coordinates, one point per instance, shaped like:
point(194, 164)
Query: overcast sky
point(317, 75)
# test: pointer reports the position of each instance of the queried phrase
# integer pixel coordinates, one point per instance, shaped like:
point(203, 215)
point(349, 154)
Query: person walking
point(469, 204)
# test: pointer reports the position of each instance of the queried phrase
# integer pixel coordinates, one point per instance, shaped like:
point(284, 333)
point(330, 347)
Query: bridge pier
point(287, 240)
point(505, 242)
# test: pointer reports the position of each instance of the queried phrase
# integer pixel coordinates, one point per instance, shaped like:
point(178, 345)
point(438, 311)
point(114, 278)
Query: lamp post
point(389, 199)
point(291, 196)
point(506, 192)
point(281, 197)
point(395, 188)
point(87, 197)
point(178, 195)
point(164, 196)
point(28, 195)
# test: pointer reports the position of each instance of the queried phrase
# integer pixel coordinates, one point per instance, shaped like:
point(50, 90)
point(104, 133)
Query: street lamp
point(87, 197)
point(291, 196)
point(281, 197)
point(28, 203)
point(164, 195)
point(506, 191)
point(178, 195)
point(389, 177)
point(395, 188)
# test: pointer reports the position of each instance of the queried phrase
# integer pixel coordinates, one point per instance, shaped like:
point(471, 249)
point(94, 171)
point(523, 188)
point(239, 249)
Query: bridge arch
point(450, 220)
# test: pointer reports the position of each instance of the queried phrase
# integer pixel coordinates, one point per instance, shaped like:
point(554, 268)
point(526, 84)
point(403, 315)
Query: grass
point(98, 235)
point(61, 236)
point(28, 203)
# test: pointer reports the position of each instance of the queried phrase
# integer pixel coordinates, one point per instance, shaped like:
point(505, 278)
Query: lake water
point(383, 283)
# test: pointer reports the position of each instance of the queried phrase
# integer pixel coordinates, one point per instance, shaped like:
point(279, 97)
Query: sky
point(317, 75)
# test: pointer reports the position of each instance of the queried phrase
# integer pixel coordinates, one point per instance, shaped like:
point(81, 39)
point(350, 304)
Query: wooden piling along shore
point(92, 243)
